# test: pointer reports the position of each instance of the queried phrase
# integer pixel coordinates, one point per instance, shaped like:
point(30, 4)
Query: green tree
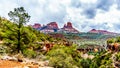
point(118, 39)
point(19, 17)
point(62, 57)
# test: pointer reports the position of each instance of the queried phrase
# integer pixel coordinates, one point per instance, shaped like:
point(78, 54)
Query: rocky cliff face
point(69, 25)
point(69, 28)
point(36, 25)
point(50, 27)
point(53, 27)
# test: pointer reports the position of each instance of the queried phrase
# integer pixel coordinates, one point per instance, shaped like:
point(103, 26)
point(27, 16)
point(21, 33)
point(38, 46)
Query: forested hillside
point(29, 37)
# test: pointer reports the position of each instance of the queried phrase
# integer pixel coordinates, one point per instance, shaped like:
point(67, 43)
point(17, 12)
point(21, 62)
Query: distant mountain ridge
point(102, 32)
point(53, 27)
point(67, 28)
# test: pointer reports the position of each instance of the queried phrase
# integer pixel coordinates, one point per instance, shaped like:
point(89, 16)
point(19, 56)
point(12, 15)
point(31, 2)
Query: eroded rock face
point(69, 25)
point(53, 25)
point(69, 28)
point(36, 25)
point(50, 27)
point(65, 26)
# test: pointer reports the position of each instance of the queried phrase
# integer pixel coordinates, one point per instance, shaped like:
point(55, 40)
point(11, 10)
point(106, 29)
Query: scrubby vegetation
point(29, 38)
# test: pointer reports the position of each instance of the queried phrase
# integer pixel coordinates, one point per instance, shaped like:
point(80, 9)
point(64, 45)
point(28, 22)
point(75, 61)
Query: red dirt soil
point(10, 64)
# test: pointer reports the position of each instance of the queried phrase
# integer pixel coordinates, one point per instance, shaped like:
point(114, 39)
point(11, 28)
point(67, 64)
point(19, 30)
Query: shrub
point(61, 57)
point(29, 53)
point(118, 56)
point(3, 49)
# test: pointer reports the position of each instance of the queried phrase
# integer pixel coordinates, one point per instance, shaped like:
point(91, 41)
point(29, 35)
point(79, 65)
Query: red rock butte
point(36, 25)
point(53, 25)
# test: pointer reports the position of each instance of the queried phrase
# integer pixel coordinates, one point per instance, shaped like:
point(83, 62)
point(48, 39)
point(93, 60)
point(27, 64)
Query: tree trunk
point(18, 46)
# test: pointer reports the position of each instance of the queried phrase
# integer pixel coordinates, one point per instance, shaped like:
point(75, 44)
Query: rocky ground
point(14, 62)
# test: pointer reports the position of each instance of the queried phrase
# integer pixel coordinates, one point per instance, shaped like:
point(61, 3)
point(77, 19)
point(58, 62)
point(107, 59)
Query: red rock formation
point(69, 25)
point(93, 31)
point(102, 32)
point(53, 25)
point(36, 25)
point(69, 28)
point(65, 26)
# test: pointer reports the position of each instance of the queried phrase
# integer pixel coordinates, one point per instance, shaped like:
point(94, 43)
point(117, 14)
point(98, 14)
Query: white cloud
point(76, 11)
point(6, 6)
point(88, 1)
point(112, 16)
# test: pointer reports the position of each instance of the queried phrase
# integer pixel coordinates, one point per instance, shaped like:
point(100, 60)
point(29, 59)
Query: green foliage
point(112, 40)
point(93, 53)
point(29, 37)
point(118, 56)
point(85, 63)
point(29, 53)
point(61, 56)
point(67, 57)
point(103, 60)
point(3, 49)
point(19, 18)
point(16, 35)
point(118, 39)
point(94, 65)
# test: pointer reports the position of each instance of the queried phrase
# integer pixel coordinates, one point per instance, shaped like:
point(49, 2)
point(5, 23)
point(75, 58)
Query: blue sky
point(84, 14)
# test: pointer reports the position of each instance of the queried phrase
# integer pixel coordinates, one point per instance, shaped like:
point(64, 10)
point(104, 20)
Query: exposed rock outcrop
point(69, 28)
point(102, 32)
point(36, 25)
point(53, 27)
